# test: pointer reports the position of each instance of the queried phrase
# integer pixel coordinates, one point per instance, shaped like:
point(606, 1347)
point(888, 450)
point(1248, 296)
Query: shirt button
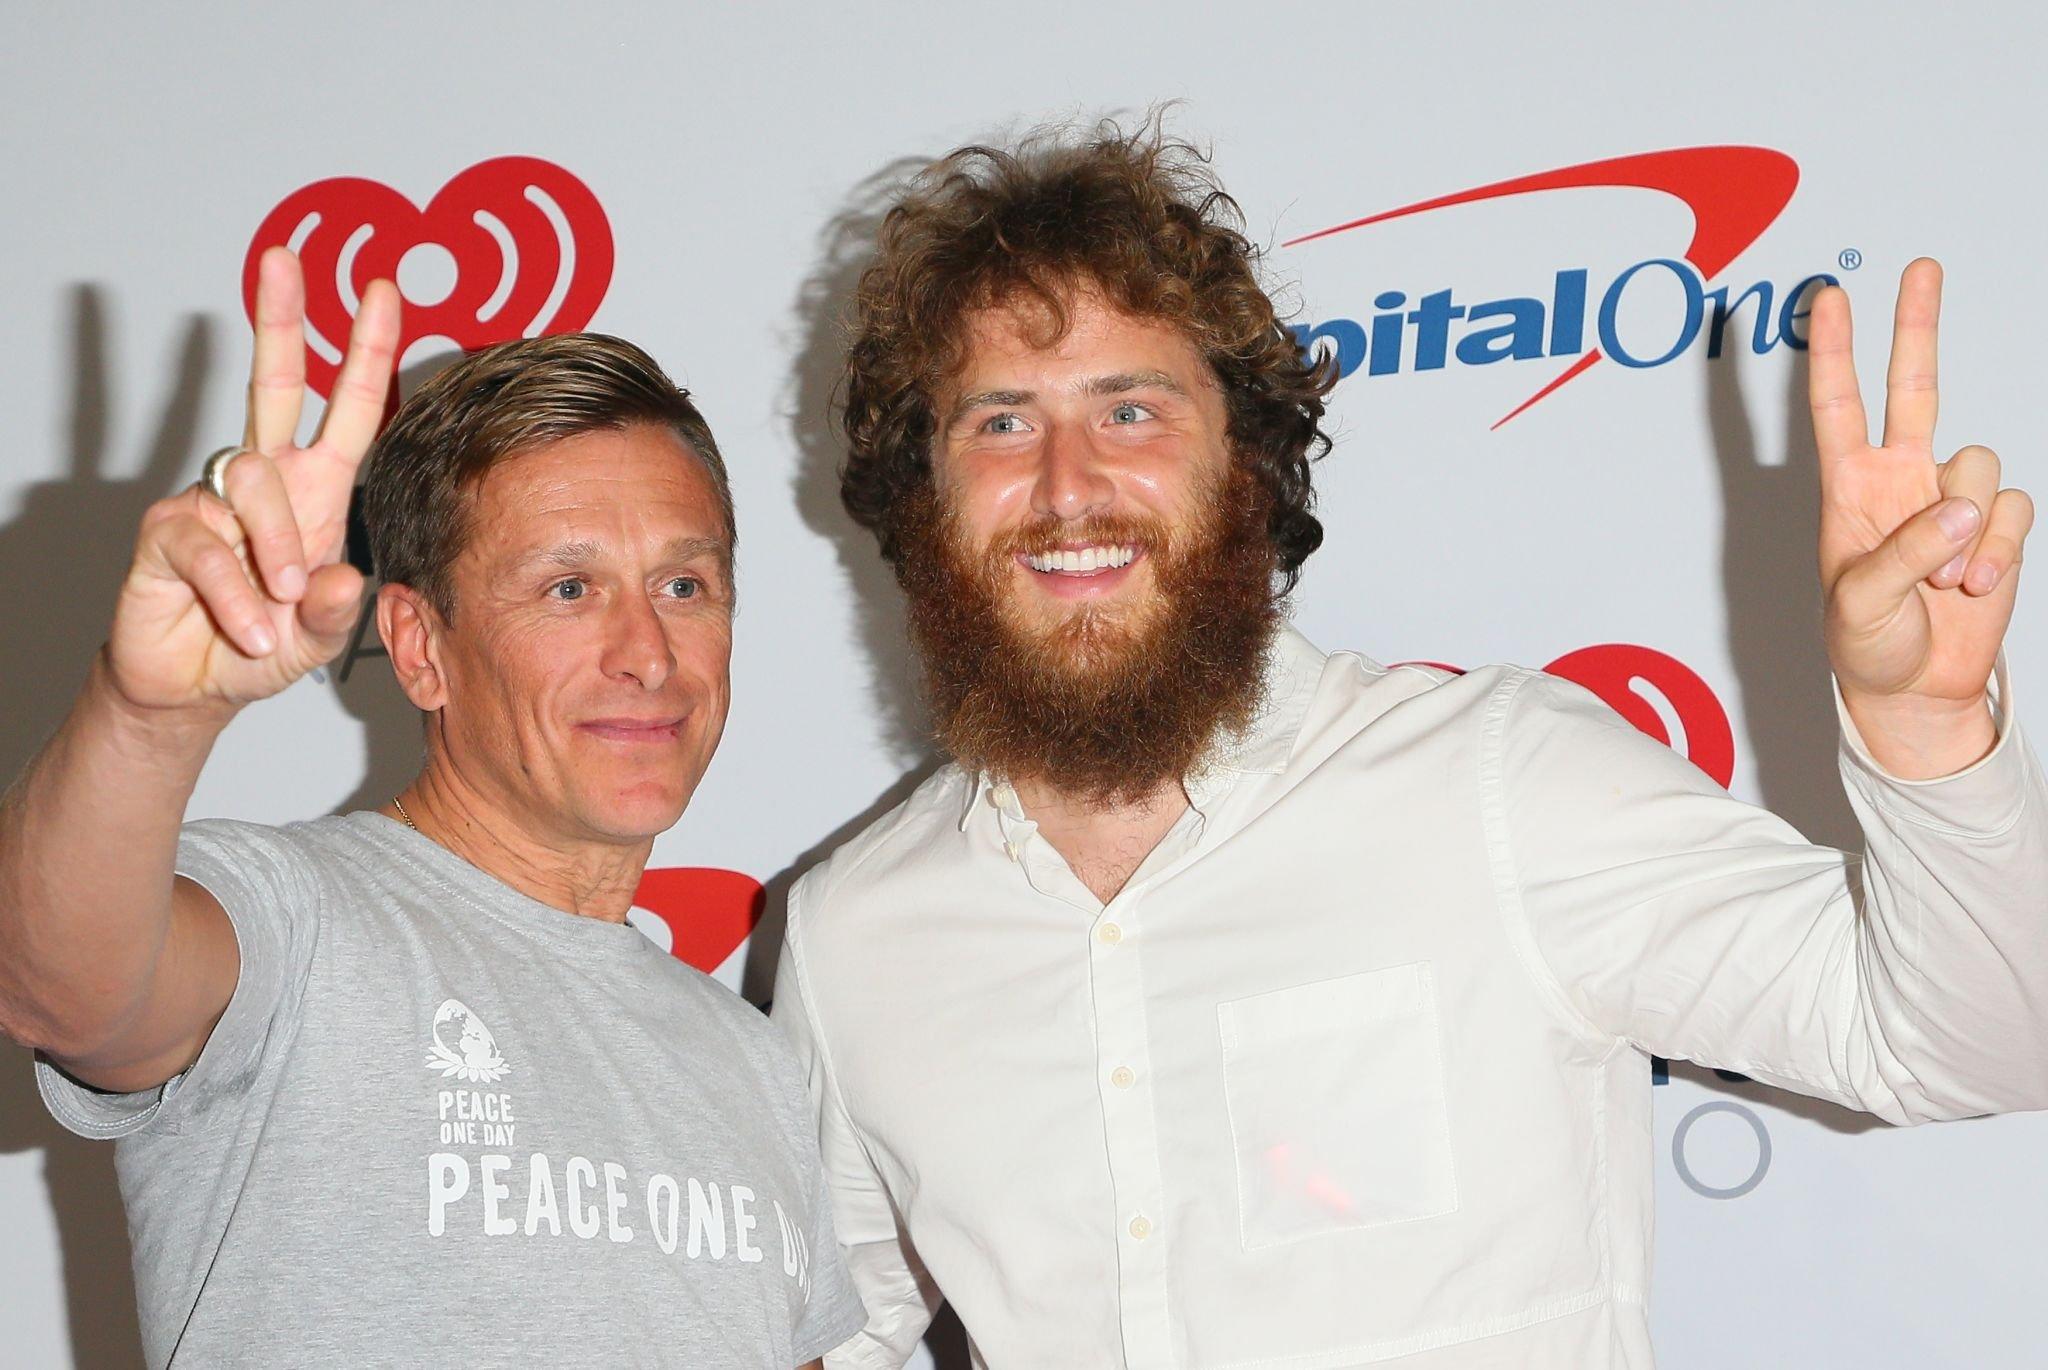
point(1002, 796)
point(1109, 934)
point(1141, 1227)
point(1123, 1077)
point(1012, 850)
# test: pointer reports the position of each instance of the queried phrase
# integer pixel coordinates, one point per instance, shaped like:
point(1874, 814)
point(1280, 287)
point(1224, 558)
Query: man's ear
point(412, 630)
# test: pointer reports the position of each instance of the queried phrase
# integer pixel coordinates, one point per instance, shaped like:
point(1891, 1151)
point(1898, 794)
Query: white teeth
point(1087, 559)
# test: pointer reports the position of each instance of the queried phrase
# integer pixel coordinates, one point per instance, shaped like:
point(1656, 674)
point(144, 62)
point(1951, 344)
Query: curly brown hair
point(1136, 215)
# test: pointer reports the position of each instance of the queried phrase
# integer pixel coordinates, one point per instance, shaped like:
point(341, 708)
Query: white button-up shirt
point(1354, 1069)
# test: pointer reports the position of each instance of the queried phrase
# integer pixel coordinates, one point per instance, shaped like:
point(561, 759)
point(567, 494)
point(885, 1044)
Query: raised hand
point(229, 602)
point(1919, 560)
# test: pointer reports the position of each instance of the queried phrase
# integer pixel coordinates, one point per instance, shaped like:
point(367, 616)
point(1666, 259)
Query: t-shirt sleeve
point(834, 1313)
point(267, 886)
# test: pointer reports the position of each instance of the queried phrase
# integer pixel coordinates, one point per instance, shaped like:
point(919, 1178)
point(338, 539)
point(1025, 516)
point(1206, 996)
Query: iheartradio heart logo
point(699, 914)
point(514, 247)
point(1662, 696)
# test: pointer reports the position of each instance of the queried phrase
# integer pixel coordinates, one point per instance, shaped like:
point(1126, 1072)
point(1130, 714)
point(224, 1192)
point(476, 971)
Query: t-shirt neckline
point(489, 894)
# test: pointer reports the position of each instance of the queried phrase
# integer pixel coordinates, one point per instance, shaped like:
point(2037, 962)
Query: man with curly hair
point(1227, 1003)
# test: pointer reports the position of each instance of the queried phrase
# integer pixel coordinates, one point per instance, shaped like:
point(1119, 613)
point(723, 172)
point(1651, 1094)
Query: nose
point(1072, 482)
point(636, 644)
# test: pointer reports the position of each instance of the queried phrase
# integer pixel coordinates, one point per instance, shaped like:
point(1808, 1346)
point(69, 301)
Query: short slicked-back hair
point(496, 404)
point(1136, 216)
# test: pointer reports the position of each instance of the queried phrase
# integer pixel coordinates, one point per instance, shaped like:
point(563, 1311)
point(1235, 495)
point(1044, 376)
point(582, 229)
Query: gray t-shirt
point(444, 1124)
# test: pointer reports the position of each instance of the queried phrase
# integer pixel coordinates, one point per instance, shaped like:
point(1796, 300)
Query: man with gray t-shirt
point(403, 1087)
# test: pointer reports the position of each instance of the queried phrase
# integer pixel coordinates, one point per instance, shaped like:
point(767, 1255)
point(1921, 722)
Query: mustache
point(1052, 534)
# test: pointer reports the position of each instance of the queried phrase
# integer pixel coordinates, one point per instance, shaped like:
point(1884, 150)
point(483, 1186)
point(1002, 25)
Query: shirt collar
point(1294, 667)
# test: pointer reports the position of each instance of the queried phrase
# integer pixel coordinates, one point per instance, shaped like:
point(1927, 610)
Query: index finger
point(1911, 389)
point(277, 370)
point(1840, 427)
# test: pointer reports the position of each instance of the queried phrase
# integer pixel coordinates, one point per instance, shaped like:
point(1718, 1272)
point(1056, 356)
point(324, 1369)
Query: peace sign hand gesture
point(1919, 560)
point(229, 602)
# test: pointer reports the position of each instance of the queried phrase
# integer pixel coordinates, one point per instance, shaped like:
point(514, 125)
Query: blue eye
point(1006, 423)
point(1128, 413)
point(566, 589)
point(684, 587)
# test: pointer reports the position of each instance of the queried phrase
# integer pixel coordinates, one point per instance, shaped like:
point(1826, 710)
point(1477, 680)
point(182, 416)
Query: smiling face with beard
point(1090, 581)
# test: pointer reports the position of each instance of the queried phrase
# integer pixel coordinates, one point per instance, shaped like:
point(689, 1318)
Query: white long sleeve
point(1911, 982)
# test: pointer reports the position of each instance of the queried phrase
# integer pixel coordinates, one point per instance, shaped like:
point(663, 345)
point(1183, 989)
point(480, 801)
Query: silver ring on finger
point(214, 474)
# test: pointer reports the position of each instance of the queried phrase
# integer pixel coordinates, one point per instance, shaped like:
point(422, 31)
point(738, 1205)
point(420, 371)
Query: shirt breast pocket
point(1337, 1111)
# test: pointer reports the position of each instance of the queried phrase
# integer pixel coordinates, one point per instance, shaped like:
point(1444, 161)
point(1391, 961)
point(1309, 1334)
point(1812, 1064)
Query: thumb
point(1880, 580)
point(334, 595)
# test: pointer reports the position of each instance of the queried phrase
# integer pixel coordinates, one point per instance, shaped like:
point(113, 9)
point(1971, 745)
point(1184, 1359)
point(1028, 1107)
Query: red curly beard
point(1115, 699)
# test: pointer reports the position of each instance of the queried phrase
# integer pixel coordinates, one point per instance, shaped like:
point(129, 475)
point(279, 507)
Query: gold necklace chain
point(399, 805)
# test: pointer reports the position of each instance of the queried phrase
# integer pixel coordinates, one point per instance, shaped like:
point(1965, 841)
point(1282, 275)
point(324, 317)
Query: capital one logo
point(1734, 194)
point(513, 247)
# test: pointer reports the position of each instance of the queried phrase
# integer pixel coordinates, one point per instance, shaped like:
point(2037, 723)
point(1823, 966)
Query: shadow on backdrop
point(817, 327)
point(817, 323)
point(65, 552)
point(845, 247)
point(1770, 582)
point(1770, 579)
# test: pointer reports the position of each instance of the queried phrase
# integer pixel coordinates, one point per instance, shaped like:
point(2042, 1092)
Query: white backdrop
point(736, 154)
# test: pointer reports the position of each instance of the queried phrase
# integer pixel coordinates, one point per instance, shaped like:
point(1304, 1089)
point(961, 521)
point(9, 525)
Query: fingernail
point(262, 639)
point(1958, 518)
point(291, 582)
point(1982, 577)
point(1951, 573)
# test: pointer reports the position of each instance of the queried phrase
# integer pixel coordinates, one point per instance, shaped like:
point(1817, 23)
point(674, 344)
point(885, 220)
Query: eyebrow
point(688, 549)
point(567, 555)
point(1124, 381)
point(582, 552)
point(988, 399)
point(1115, 383)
